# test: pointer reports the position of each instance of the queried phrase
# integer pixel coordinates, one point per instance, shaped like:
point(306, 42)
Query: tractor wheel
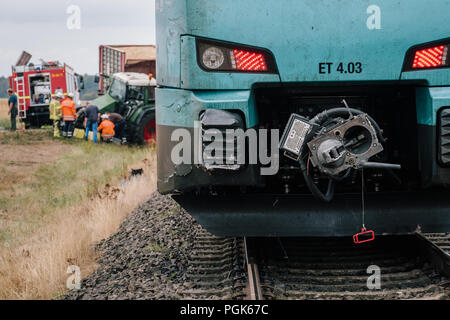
point(146, 130)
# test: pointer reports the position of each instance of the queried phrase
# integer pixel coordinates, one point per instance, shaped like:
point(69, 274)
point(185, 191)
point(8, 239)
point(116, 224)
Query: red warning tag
point(364, 236)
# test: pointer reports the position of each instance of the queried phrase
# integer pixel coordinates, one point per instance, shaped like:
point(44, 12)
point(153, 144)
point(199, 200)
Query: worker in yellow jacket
point(56, 113)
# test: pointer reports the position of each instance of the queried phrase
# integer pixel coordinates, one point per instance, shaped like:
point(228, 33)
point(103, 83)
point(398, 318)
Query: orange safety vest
point(107, 129)
point(68, 110)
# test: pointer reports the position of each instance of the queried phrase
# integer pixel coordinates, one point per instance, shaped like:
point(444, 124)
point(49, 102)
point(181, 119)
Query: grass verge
point(24, 137)
point(52, 219)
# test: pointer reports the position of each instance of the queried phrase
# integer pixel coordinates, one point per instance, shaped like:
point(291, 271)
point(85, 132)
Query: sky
point(71, 31)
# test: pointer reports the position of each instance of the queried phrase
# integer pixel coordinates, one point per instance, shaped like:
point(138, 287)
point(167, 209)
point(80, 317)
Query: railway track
point(442, 240)
point(216, 269)
point(411, 267)
point(338, 269)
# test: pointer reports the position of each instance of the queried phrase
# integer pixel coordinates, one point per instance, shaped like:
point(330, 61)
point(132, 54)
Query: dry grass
point(5, 121)
point(3, 108)
point(38, 268)
point(57, 216)
point(24, 137)
point(4, 117)
point(74, 176)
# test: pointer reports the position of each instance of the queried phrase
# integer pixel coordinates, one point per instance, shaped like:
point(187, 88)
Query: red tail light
point(214, 56)
point(429, 58)
point(249, 61)
point(432, 55)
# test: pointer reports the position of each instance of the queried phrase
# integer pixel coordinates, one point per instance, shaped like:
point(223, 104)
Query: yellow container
point(78, 133)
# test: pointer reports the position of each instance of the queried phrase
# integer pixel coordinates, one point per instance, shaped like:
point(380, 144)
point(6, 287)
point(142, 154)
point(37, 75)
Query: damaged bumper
point(271, 215)
point(179, 109)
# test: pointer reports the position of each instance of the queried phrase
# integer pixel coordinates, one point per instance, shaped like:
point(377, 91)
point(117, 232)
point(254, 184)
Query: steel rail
point(437, 256)
point(254, 283)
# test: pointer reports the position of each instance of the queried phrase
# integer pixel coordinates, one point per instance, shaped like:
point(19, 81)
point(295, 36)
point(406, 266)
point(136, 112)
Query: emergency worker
point(55, 113)
point(106, 128)
point(69, 114)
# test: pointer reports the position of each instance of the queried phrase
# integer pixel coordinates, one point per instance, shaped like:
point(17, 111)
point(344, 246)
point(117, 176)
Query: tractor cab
point(130, 91)
point(132, 95)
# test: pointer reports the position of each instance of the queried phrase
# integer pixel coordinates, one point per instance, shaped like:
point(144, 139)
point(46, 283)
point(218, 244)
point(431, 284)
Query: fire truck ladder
point(21, 99)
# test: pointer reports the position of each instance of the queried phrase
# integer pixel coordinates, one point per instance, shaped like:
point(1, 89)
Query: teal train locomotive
point(305, 118)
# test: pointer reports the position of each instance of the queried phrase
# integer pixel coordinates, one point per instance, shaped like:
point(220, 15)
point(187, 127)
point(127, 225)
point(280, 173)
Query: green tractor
point(132, 95)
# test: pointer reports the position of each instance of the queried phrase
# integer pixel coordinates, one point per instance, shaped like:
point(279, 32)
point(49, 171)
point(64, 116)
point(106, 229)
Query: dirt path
point(19, 162)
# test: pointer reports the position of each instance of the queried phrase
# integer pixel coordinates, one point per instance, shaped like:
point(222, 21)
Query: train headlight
point(213, 58)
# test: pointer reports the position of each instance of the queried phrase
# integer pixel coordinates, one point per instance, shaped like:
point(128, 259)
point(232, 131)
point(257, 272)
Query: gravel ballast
point(161, 252)
point(147, 258)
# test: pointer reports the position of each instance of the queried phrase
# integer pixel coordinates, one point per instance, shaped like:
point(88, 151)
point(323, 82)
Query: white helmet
point(104, 116)
point(60, 95)
point(70, 95)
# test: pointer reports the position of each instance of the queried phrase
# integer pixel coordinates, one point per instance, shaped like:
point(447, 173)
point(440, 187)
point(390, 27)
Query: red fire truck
point(36, 84)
